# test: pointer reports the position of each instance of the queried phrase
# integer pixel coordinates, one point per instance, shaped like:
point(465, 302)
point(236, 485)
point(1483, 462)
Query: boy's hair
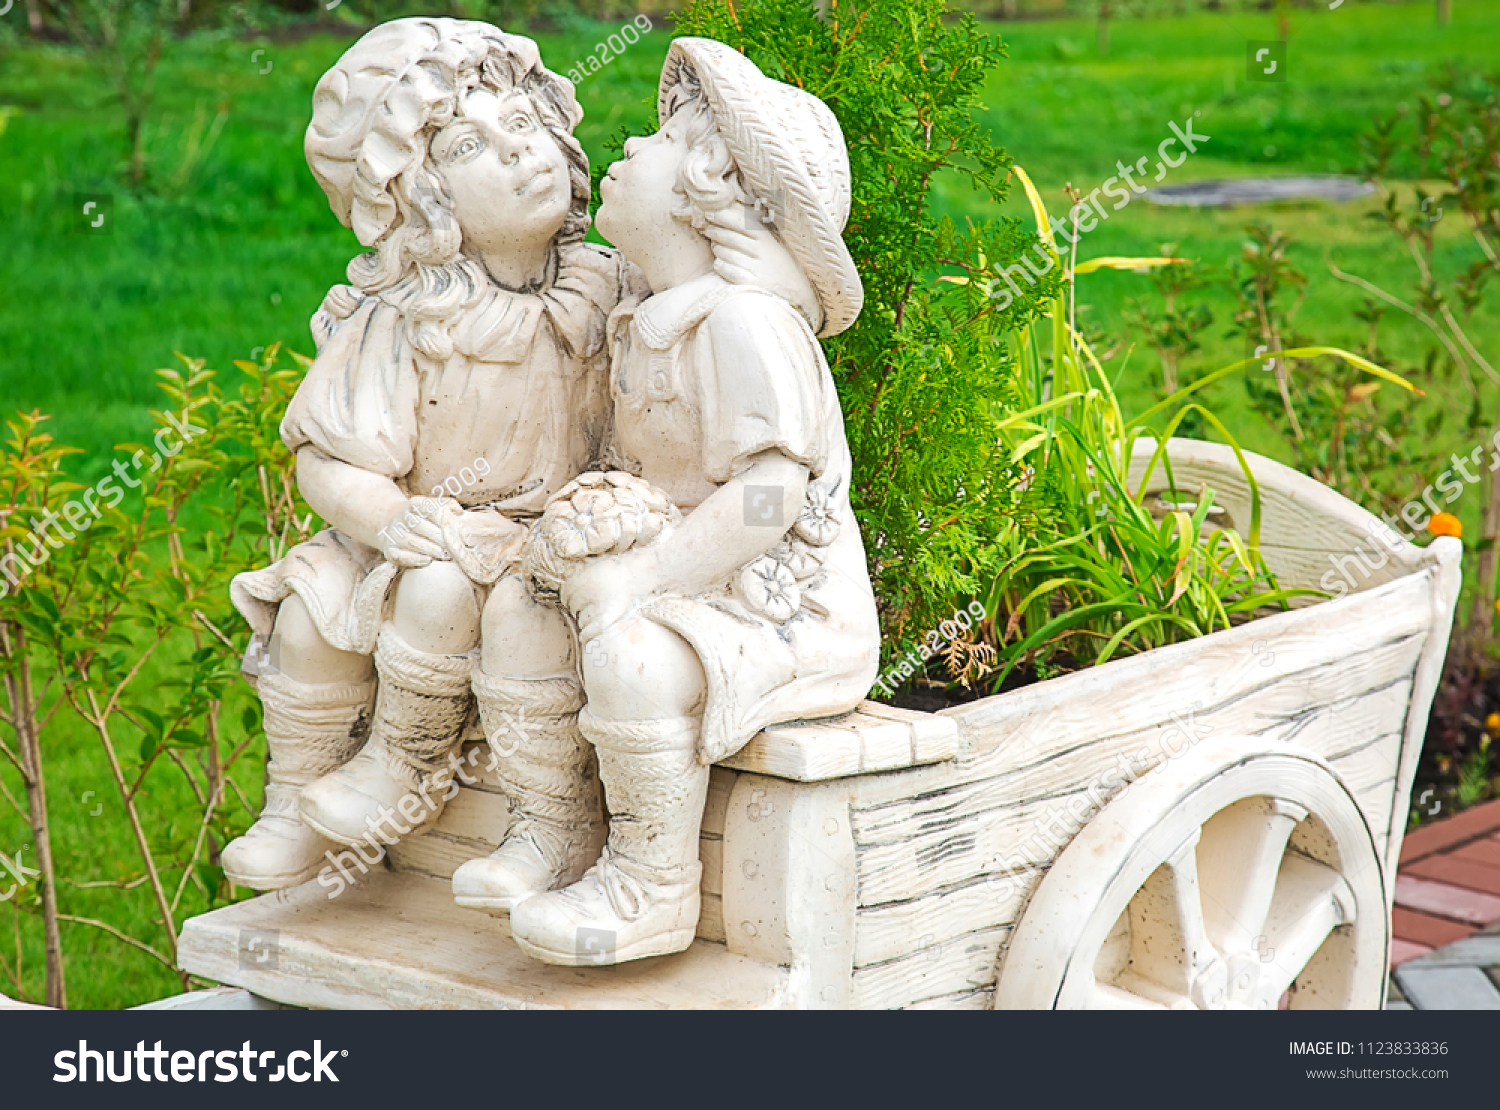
point(709, 180)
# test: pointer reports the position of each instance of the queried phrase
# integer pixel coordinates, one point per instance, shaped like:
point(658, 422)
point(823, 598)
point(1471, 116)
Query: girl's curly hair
point(369, 121)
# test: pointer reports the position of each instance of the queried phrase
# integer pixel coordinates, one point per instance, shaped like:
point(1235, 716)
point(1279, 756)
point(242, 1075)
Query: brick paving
point(1445, 952)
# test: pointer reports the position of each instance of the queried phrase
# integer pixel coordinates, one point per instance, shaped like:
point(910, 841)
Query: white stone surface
point(671, 417)
point(724, 589)
point(903, 888)
point(395, 942)
point(219, 998)
point(444, 407)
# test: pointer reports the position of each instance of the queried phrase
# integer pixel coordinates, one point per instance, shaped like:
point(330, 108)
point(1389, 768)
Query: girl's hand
point(601, 594)
point(482, 542)
point(412, 538)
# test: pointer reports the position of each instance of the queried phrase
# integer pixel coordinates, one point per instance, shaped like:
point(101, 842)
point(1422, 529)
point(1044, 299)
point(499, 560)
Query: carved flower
point(770, 589)
point(819, 522)
point(595, 514)
point(798, 558)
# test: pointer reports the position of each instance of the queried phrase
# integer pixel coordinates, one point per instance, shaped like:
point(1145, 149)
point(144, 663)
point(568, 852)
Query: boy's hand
point(755, 257)
point(411, 538)
point(600, 593)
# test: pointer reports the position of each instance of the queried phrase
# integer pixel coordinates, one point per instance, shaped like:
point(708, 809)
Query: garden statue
point(606, 505)
point(597, 503)
point(465, 359)
point(721, 586)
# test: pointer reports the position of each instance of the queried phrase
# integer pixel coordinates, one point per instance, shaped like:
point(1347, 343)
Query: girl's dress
point(524, 390)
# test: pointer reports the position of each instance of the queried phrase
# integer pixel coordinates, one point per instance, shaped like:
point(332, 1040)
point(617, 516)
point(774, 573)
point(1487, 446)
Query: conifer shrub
point(990, 453)
point(926, 373)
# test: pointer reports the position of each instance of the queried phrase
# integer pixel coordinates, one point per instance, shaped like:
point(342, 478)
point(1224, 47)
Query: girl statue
point(746, 600)
point(459, 382)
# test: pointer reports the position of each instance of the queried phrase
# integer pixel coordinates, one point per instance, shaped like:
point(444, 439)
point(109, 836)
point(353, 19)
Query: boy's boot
point(642, 897)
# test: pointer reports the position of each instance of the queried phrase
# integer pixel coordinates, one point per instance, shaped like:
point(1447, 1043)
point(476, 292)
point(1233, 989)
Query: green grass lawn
point(235, 248)
point(1069, 118)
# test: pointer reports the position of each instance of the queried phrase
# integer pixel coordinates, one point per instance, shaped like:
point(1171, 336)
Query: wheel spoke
point(1169, 943)
point(1114, 955)
point(1240, 855)
point(1312, 899)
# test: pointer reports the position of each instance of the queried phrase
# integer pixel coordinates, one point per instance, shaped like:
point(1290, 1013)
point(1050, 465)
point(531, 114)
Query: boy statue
point(717, 575)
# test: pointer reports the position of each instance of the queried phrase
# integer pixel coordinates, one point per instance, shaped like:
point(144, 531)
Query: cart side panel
point(947, 856)
point(1447, 573)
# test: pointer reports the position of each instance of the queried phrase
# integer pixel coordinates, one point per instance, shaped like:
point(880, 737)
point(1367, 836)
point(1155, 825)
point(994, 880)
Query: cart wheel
point(1241, 875)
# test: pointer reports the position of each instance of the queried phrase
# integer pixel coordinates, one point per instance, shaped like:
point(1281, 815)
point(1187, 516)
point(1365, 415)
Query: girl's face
point(637, 195)
point(506, 174)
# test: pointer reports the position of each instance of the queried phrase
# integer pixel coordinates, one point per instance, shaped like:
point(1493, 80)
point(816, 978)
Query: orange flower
point(1446, 524)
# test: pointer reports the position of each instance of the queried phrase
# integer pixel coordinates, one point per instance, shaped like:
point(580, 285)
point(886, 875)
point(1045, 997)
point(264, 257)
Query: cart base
point(395, 941)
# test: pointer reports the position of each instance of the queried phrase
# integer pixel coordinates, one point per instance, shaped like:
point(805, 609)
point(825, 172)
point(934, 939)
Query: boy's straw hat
point(791, 154)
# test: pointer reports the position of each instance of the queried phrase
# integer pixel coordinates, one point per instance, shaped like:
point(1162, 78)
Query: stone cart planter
point(1213, 824)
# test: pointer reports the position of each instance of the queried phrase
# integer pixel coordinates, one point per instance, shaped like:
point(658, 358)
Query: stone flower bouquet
point(597, 513)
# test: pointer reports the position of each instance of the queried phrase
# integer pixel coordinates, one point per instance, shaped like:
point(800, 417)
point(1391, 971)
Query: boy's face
point(506, 174)
point(637, 195)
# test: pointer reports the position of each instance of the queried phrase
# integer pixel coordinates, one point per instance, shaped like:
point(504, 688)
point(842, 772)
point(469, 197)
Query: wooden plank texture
point(966, 963)
point(886, 932)
point(1303, 523)
point(873, 738)
point(1375, 636)
point(955, 829)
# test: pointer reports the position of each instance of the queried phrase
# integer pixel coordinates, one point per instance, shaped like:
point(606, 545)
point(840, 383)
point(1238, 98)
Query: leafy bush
point(1092, 571)
point(990, 452)
point(1453, 136)
point(120, 631)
